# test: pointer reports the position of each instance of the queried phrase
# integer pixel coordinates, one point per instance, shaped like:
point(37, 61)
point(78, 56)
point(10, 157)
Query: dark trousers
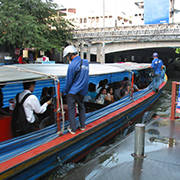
point(71, 102)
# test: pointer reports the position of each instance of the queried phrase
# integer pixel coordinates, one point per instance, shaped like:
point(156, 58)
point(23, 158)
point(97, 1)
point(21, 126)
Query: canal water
point(162, 108)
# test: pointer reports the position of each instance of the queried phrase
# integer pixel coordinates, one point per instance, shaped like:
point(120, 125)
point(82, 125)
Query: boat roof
point(11, 73)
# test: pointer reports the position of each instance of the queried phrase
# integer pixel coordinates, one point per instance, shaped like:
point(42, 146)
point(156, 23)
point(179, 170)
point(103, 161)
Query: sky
point(112, 7)
point(89, 7)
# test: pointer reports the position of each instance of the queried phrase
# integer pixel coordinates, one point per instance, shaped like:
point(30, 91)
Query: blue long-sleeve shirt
point(157, 65)
point(77, 78)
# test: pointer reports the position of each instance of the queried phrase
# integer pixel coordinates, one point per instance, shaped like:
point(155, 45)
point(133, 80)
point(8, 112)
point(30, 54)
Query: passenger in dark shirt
point(117, 92)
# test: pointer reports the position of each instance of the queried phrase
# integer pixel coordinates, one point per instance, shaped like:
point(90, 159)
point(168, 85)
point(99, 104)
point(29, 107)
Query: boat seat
point(5, 128)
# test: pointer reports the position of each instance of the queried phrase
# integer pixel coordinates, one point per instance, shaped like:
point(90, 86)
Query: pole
point(103, 14)
point(173, 101)
point(139, 140)
point(132, 83)
point(103, 43)
point(172, 11)
point(58, 106)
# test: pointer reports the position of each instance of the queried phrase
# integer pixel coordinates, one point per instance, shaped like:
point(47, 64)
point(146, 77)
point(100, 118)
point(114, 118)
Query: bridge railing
point(143, 30)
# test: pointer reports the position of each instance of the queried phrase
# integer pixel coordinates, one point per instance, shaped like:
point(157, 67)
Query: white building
point(94, 21)
point(115, 12)
point(175, 11)
point(138, 12)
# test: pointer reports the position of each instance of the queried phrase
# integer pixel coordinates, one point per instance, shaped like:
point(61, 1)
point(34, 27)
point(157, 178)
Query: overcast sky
point(87, 7)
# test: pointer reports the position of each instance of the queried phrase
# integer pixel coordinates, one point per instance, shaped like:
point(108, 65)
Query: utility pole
point(172, 10)
point(103, 43)
point(103, 14)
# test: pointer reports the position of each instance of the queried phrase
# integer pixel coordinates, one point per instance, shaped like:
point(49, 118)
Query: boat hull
point(77, 147)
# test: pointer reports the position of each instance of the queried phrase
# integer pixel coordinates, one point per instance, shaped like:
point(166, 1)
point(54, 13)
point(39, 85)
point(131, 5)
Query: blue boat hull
point(78, 147)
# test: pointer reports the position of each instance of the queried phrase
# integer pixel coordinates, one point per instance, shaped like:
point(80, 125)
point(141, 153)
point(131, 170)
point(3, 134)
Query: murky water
point(161, 108)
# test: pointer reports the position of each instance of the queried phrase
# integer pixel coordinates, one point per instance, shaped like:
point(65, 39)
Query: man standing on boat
point(76, 86)
point(157, 66)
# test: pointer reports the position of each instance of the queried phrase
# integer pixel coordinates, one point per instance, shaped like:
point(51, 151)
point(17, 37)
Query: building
point(94, 21)
point(138, 16)
point(175, 11)
point(138, 13)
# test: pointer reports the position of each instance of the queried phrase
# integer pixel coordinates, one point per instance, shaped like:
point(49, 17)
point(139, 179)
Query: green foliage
point(177, 50)
point(32, 23)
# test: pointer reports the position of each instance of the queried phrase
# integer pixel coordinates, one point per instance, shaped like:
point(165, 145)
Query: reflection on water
point(153, 131)
point(137, 168)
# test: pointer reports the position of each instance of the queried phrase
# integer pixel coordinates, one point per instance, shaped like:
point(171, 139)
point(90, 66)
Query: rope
point(59, 107)
point(62, 111)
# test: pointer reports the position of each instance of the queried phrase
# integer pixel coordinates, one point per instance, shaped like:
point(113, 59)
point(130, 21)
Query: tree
point(177, 51)
point(32, 23)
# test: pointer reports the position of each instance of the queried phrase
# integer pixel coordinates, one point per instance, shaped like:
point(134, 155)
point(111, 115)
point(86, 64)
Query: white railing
point(143, 30)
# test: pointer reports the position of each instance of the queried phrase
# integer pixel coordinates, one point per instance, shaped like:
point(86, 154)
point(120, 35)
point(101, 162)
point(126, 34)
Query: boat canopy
point(9, 73)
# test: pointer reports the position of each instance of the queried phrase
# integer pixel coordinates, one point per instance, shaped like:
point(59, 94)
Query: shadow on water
point(161, 108)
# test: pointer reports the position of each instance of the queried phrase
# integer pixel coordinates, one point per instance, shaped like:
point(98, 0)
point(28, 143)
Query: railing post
point(173, 101)
point(58, 107)
point(132, 84)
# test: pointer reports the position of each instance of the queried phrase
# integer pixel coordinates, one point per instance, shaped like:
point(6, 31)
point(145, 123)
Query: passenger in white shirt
point(31, 105)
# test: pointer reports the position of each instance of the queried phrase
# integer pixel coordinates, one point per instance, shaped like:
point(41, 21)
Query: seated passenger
point(24, 120)
point(91, 96)
point(44, 95)
point(127, 89)
point(127, 81)
point(110, 95)
point(117, 92)
point(47, 94)
point(102, 84)
point(101, 96)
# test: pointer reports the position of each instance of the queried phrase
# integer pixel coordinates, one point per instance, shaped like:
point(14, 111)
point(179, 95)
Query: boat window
point(104, 93)
point(45, 116)
point(3, 110)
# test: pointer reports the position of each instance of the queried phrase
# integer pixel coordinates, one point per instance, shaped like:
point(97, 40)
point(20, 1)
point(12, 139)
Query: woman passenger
point(101, 96)
point(110, 95)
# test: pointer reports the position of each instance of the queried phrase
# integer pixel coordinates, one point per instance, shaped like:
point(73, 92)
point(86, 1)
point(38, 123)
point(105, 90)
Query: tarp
point(42, 71)
point(111, 72)
point(156, 11)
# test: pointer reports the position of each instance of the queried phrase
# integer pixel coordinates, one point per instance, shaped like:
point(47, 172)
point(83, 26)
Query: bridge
point(101, 41)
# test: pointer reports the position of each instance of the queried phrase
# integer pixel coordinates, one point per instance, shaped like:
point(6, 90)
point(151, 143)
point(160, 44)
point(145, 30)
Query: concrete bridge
point(108, 40)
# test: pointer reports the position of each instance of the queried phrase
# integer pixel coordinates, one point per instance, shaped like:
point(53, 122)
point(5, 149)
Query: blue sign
point(178, 102)
point(156, 11)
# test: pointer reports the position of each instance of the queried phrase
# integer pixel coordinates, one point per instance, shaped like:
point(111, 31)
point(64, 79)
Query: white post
point(139, 140)
point(88, 57)
point(102, 61)
point(103, 14)
point(82, 51)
